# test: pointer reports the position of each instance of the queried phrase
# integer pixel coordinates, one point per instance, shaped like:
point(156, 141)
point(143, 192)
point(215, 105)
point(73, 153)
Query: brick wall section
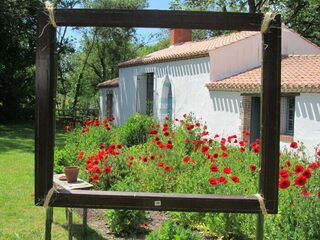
point(245, 116)
point(180, 36)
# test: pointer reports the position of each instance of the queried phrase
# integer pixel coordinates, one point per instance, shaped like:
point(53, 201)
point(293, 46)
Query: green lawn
point(19, 218)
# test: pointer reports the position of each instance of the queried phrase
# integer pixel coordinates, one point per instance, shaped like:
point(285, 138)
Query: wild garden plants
point(181, 156)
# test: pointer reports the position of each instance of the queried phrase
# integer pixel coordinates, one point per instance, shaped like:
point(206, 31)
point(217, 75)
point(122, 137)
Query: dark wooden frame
point(45, 110)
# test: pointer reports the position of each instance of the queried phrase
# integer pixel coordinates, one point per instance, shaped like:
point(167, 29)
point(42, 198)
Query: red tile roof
point(189, 50)
point(109, 83)
point(299, 73)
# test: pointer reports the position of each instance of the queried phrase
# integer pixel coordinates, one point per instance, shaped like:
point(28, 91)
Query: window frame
point(45, 110)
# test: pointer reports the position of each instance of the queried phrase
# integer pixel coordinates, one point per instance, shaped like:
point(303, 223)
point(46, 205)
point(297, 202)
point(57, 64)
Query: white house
point(218, 79)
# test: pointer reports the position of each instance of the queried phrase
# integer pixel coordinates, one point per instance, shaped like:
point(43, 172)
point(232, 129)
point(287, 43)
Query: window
point(287, 115)
point(149, 102)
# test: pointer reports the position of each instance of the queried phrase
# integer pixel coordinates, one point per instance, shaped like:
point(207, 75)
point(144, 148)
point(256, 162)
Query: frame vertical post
point(45, 105)
point(270, 120)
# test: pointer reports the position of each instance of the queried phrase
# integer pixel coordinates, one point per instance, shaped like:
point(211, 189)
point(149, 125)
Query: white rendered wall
point(219, 110)
point(293, 43)
point(307, 120)
point(103, 102)
point(235, 58)
point(246, 54)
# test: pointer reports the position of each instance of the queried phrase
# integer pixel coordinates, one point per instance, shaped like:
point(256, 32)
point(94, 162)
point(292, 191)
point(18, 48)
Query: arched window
point(166, 100)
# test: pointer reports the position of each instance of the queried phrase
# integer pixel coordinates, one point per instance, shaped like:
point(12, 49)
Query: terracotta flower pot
point(71, 173)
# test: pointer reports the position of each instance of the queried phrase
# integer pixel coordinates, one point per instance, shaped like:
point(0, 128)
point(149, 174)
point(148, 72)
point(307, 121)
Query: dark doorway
point(149, 103)
point(255, 119)
point(109, 104)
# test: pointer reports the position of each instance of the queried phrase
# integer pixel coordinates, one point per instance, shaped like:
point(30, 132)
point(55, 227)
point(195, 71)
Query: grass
point(20, 219)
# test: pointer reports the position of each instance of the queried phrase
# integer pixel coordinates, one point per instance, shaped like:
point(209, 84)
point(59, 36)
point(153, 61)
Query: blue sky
point(143, 34)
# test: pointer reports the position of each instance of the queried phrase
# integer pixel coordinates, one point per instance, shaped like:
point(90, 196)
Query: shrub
point(126, 222)
point(172, 231)
point(85, 139)
point(135, 130)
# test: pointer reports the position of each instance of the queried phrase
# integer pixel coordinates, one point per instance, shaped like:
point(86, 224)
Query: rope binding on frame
point(49, 196)
point(261, 203)
point(268, 17)
point(50, 7)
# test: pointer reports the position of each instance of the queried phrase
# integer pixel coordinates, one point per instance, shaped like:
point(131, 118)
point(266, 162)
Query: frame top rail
point(158, 19)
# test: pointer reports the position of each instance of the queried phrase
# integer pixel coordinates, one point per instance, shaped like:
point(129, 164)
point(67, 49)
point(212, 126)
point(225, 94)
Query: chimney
point(178, 35)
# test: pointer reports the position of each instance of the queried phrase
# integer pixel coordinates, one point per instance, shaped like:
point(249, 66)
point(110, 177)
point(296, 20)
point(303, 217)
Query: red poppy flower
point(204, 148)
point(256, 149)
point(166, 133)
point(305, 193)
point(235, 179)
point(319, 193)
point(318, 153)
point(215, 155)
point(284, 173)
point(214, 168)
point(107, 170)
point(216, 136)
point(145, 159)
point(253, 167)
point(108, 128)
point(284, 183)
point(242, 149)
point(186, 159)
point(190, 126)
point(227, 170)
point(223, 148)
point(185, 115)
point(97, 170)
point(204, 133)
point(246, 133)
point(298, 169)
point(294, 145)
point(222, 180)
point(187, 140)
point(300, 181)
point(313, 166)
point(95, 177)
point(160, 164)
point(131, 157)
point(130, 163)
point(224, 155)
point(152, 157)
point(67, 128)
point(167, 118)
point(153, 132)
point(167, 168)
point(198, 124)
point(307, 173)
point(85, 130)
point(288, 163)
point(213, 181)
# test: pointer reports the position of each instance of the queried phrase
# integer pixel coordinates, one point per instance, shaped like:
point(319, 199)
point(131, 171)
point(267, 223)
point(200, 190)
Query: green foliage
point(171, 230)
point(181, 157)
point(164, 43)
point(86, 142)
point(135, 130)
point(126, 222)
point(17, 51)
point(302, 15)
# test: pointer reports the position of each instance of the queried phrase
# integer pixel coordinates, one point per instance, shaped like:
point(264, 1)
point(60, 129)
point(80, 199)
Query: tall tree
point(105, 48)
point(17, 57)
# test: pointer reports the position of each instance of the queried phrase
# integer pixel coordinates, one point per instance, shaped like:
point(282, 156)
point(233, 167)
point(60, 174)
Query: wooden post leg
point(260, 223)
point(69, 214)
point(84, 223)
point(49, 219)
